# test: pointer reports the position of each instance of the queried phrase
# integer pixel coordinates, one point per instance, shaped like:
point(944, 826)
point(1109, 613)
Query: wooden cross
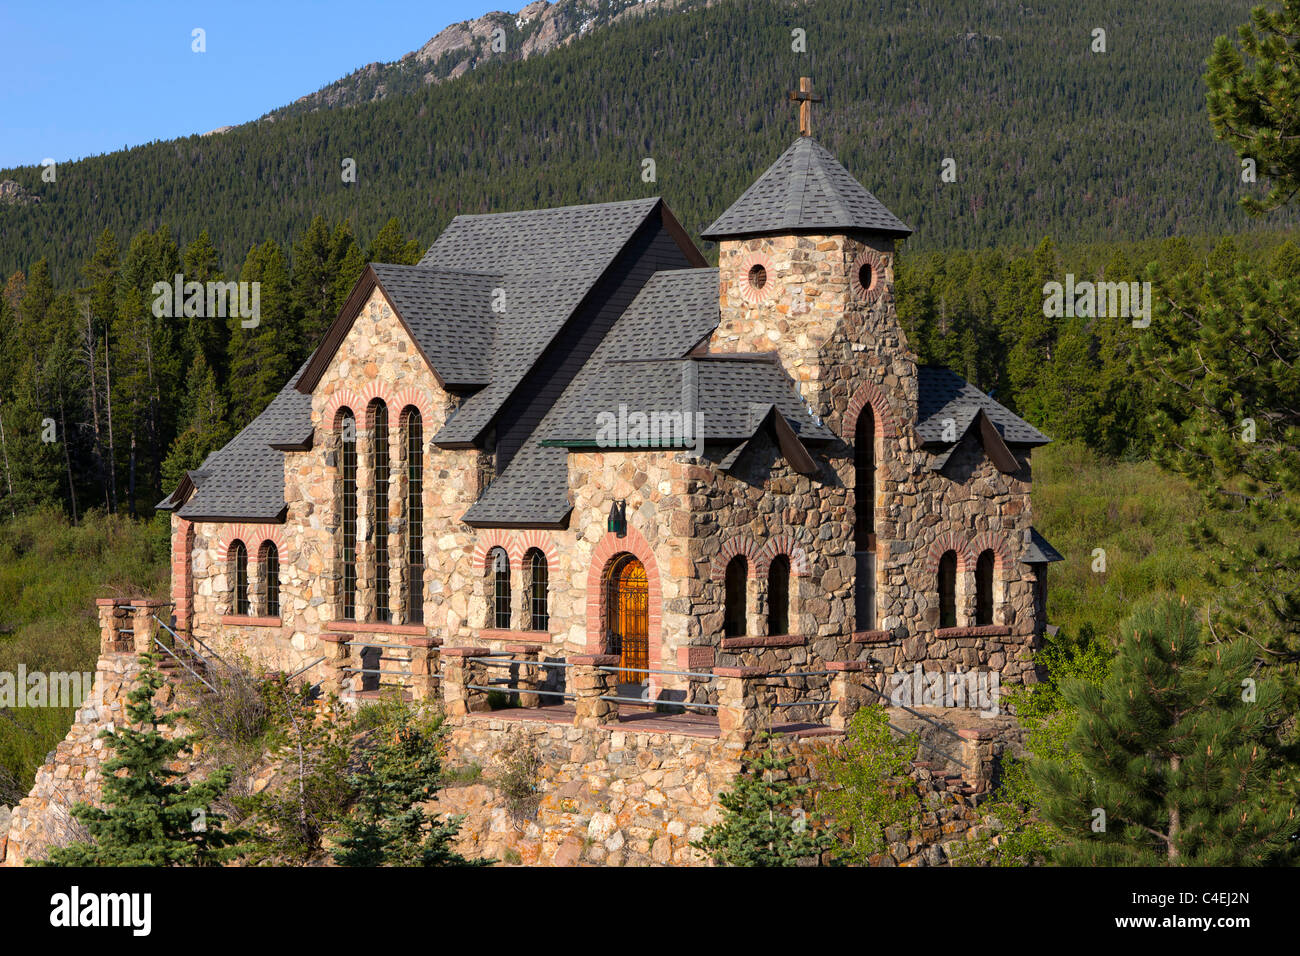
point(805, 97)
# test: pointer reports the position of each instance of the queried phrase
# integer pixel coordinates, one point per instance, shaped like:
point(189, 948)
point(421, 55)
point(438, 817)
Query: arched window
point(347, 425)
point(778, 595)
point(733, 621)
point(984, 588)
point(413, 439)
point(864, 527)
point(238, 578)
point(948, 589)
point(864, 470)
point(498, 565)
point(380, 473)
point(269, 559)
point(539, 614)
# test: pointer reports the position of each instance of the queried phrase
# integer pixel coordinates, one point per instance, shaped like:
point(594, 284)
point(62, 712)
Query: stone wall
point(610, 796)
point(72, 773)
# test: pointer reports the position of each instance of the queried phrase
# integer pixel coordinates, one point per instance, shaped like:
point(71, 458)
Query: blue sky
point(80, 78)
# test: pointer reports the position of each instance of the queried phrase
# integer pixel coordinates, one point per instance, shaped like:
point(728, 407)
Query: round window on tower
point(756, 282)
point(867, 276)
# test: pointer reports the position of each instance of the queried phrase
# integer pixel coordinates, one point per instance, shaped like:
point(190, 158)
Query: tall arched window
point(948, 589)
point(864, 470)
point(864, 528)
point(499, 589)
point(539, 613)
point(238, 578)
point(984, 588)
point(733, 621)
point(413, 439)
point(778, 595)
point(269, 559)
point(347, 425)
point(380, 473)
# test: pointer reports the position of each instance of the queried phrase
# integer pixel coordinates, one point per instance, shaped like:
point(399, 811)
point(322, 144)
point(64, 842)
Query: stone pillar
point(977, 753)
point(145, 627)
point(459, 671)
point(528, 676)
point(744, 703)
point(111, 618)
point(591, 684)
point(335, 648)
point(848, 690)
point(424, 667)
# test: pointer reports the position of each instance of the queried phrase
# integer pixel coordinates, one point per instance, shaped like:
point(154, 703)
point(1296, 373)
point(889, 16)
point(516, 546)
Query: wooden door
point(629, 618)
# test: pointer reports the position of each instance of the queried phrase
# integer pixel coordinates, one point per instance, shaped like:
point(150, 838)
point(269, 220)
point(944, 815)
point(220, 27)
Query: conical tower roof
point(806, 190)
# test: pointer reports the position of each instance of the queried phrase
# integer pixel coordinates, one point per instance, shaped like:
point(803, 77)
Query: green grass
point(50, 574)
point(1136, 513)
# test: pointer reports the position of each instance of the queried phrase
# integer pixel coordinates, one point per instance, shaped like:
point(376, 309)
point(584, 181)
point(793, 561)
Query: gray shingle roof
point(450, 317)
point(1039, 551)
point(946, 395)
point(244, 480)
point(671, 314)
point(548, 260)
point(805, 190)
point(732, 397)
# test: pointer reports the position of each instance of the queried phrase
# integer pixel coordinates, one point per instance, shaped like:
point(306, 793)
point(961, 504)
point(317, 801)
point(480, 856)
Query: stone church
point(563, 429)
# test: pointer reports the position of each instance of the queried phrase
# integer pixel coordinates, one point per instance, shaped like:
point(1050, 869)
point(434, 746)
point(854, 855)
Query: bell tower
point(805, 266)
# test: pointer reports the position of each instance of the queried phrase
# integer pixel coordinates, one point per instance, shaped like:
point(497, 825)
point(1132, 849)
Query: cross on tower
point(805, 97)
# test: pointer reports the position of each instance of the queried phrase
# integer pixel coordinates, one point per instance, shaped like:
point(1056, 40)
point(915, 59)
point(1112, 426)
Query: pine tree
point(1254, 111)
point(1223, 359)
point(1178, 749)
point(389, 827)
point(149, 819)
point(391, 246)
point(766, 819)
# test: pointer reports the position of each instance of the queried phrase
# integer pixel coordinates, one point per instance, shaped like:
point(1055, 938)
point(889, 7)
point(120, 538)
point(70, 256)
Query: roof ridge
point(542, 209)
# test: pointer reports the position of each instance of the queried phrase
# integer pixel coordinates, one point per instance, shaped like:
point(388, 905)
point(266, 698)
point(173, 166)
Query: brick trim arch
point(609, 547)
point(494, 538)
point(341, 398)
point(783, 544)
point(997, 543)
point(950, 542)
point(869, 393)
point(419, 398)
point(252, 535)
point(740, 544)
point(542, 542)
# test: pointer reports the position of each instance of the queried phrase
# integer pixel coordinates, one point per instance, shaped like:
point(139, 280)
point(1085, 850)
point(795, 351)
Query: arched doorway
point(627, 618)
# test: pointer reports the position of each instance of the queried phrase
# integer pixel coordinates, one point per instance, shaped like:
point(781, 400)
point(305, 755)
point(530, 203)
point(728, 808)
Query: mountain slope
point(1047, 137)
point(538, 28)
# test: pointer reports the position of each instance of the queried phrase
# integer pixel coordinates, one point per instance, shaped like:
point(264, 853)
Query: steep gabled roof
point(447, 313)
point(549, 260)
point(733, 395)
point(946, 396)
point(805, 190)
point(673, 312)
point(244, 480)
